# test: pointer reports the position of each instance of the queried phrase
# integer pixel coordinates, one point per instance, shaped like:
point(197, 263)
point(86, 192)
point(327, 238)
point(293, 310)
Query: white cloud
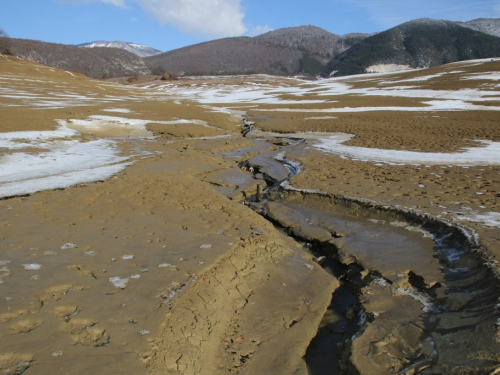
point(209, 18)
point(257, 30)
point(205, 18)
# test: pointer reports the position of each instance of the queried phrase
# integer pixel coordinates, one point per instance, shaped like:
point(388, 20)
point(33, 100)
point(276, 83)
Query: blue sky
point(171, 24)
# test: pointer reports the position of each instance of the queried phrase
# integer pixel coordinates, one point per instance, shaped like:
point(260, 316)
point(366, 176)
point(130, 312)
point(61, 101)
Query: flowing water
point(415, 296)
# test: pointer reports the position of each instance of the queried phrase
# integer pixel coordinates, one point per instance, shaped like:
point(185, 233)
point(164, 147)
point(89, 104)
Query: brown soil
point(211, 287)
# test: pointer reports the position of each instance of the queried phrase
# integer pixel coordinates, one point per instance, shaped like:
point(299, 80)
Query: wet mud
point(415, 295)
point(213, 246)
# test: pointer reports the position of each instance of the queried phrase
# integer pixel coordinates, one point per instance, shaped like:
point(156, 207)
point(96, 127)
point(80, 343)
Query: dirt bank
point(151, 270)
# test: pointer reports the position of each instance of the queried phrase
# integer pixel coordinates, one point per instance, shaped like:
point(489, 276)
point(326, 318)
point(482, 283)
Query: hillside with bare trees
point(93, 62)
point(287, 51)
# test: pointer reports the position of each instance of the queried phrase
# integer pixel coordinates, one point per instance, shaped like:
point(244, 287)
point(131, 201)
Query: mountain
point(416, 44)
point(94, 63)
point(136, 49)
point(240, 55)
point(305, 50)
point(311, 50)
point(318, 42)
point(486, 25)
point(288, 51)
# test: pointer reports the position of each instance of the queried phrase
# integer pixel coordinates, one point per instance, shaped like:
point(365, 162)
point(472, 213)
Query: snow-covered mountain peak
point(135, 48)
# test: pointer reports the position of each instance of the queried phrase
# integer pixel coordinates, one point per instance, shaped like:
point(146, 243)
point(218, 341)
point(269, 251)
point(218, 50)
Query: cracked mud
point(143, 259)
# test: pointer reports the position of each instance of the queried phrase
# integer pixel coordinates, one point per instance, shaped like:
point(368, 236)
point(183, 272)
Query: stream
point(415, 295)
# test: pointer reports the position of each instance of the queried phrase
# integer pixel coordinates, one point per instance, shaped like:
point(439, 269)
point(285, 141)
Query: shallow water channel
point(415, 295)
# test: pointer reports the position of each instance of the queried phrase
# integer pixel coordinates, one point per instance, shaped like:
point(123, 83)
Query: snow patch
point(384, 68)
point(32, 266)
point(488, 154)
point(489, 219)
point(69, 245)
point(119, 282)
point(63, 161)
point(118, 110)
point(493, 76)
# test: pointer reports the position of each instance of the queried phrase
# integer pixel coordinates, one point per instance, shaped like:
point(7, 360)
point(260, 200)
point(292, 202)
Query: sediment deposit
point(133, 241)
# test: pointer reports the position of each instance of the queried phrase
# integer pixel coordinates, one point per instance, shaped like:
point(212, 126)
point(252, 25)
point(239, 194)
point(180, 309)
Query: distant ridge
point(94, 63)
point(304, 51)
point(316, 41)
point(312, 51)
point(486, 25)
point(288, 51)
point(137, 49)
point(240, 55)
point(420, 43)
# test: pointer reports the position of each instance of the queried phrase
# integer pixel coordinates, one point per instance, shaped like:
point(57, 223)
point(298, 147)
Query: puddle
point(436, 289)
point(229, 177)
point(234, 183)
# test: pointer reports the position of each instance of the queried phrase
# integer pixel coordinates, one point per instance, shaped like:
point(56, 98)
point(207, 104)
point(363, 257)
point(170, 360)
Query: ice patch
point(60, 181)
point(286, 185)
point(380, 281)
point(489, 219)
point(100, 123)
point(68, 162)
point(428, 306)
point(459, 269)
point(400, 224)
point(424, 233)
point(361, 317)
point(65, 157)
point(411, 228)
point(293, 167)
point(37, 139)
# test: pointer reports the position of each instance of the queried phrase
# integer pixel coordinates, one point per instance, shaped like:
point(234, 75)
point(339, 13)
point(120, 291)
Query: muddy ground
point(161, 269)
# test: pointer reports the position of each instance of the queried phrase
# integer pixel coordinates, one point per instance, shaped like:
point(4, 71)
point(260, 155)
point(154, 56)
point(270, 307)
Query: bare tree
point(5, 46)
